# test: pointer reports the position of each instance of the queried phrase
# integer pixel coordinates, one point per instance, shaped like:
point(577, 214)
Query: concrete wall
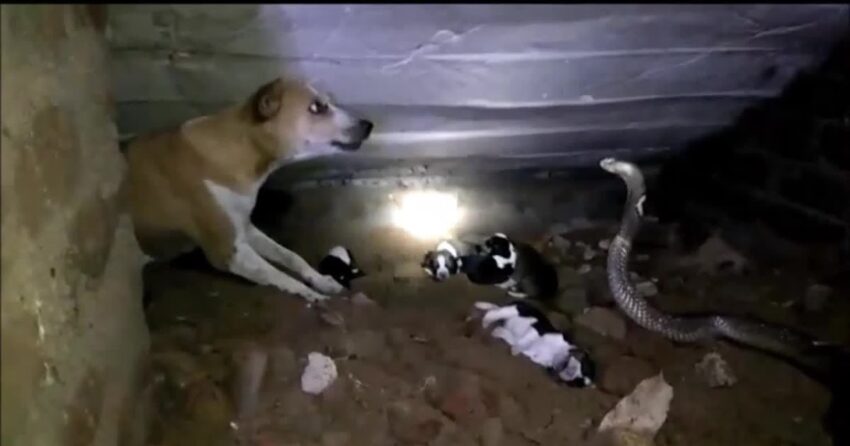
point(557, 84)
point(73, 333)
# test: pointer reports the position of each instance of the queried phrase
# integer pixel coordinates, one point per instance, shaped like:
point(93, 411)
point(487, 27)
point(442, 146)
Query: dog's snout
point(364, 128)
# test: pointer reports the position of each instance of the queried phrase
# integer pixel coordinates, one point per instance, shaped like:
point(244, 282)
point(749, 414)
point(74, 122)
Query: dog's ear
point(266, 101)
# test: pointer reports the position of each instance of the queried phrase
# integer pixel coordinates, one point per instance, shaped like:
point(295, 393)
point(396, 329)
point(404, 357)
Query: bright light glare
point(427, 214)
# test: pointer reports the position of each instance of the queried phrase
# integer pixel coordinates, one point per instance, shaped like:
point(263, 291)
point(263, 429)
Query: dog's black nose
point(365, 128)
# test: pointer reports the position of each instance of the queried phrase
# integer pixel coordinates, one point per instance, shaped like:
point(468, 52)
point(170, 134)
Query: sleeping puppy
point(527, 330)
point(339, 264)
point(528, 273)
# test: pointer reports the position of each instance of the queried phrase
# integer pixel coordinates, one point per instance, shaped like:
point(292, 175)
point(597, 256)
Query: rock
point(572, 300)
point(319, 373)
point(332, 318)
point(412, 422)
point(584, 269)
point(362, 299)
point(603, 321)
point(622, 437)
point(715, 255)
point(715, 371)
point(646, 288)
point(644, 410)
point(250, 370)
point(816, 297)
point(405, 271)
point(624, 373)
point(588, 254)
point(604, 244)
point(492, 433)
point(561, 244)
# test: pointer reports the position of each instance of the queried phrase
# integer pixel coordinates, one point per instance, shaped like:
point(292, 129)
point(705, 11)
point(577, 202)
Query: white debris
point(715, 371)
point(319, 373)
point(644, 410)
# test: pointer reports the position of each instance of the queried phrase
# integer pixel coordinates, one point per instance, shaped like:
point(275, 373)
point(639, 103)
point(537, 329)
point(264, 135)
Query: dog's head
point(303, 122)
point(440, 264)
point(577, 369)
point(502, 250)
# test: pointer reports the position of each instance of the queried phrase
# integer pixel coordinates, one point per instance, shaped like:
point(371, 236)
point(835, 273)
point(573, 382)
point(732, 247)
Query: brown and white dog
point(196, 186)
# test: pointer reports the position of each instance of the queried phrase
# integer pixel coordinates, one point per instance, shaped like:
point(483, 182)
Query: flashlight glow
point(427, 214)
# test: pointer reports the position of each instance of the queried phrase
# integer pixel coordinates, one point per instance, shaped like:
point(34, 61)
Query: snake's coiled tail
point(752, 333)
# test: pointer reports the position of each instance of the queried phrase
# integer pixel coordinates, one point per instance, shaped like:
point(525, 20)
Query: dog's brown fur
point(167, 187)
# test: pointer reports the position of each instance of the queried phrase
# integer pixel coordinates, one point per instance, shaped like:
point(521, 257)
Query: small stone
point(561, 244)
point(715, 371)
point(589, 254)
point(604, 244)
point(331, 318)
point(362, 299)
point(603, 321)
point(584, 269)
point(647, 288)
point(319, 373)
point(816, 297)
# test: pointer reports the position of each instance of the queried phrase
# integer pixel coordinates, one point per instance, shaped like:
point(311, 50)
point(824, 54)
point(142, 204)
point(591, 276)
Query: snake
point(748, 332)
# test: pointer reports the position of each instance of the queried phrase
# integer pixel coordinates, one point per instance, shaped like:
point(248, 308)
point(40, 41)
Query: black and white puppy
point(339, 263)
point(455, 257)
point(530, 333)
point(528, 273)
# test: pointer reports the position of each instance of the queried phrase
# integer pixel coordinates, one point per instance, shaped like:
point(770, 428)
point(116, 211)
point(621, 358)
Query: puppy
point(339, 263)
point(528, 273)
point(195, 186)
point(530, 333)
point(452, 257)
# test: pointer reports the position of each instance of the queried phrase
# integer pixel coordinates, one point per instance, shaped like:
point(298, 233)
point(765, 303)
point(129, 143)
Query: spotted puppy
point(339, 264)
point(527, 273)
point(458, 257)
point(527, 330)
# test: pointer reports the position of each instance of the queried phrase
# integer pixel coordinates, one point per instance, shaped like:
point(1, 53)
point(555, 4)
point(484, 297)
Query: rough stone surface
point(715, 371)
point(603, 321)
point(73, 332)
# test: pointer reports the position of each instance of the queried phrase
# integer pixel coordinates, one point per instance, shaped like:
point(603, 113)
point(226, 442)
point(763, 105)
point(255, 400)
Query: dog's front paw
point(325, 284)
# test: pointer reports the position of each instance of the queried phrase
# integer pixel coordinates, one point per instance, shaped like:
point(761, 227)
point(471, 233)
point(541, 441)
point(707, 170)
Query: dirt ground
point(414, 370)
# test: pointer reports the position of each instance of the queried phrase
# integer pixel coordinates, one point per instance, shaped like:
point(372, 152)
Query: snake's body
point(686, 329)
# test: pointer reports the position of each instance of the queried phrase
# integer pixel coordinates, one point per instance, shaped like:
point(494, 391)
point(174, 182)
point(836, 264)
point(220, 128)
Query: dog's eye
point(318, 108)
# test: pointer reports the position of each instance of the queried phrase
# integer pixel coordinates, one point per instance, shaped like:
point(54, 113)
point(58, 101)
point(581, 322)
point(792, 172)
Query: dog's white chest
point(236, 206)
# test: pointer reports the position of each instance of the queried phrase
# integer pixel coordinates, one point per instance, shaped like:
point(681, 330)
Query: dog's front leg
point(271, 250)
point(247, 263)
